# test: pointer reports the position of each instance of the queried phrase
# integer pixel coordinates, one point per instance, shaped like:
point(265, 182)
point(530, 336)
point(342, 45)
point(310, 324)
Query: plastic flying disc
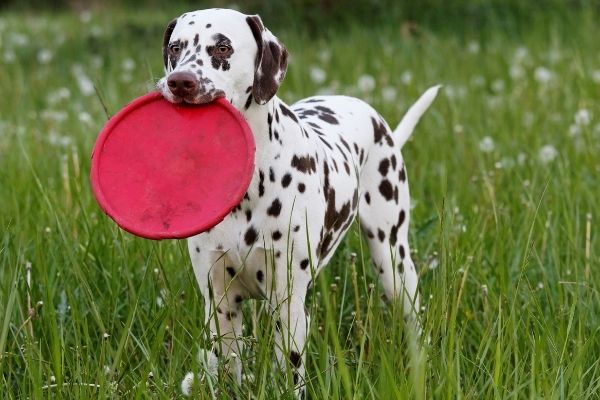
point(163, 171)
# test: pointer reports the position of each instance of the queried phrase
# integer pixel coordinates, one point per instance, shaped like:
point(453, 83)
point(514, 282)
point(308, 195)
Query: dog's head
point(221, 53)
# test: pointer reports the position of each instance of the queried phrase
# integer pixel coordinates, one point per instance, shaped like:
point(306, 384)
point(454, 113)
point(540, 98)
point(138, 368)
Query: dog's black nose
point(183, 84)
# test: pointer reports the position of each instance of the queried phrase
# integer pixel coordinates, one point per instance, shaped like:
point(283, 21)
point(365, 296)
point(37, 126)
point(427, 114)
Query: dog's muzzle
point(185, 86)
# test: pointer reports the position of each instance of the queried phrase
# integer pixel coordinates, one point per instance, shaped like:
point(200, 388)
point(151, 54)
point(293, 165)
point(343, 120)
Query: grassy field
point(504, 172)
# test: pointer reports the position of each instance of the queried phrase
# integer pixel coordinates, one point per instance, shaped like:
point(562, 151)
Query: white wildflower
point(324, 55)
point(528, 118)
point(458, 128)
point(498, 85)
point(365, 83)
point(486, 144)
point(96, 31)
point(521, 54)
point(521, 158)
point(547, 154)
point(18, 39)
point(85, 16)
point(44, 56)
point(583, 117)
point(317, 75)
point(9, 56)
point(434, 263)
point(53, 115)
point(484, 290)
point(128, 64)
point(543, 75)
point(389, 93)
point(574, 130)
point(85, 117)
point(85, 84)
point(187, 383)
point(406, 77)
point(540, 285)
point(97, 62)
point(58, 95)
point(516, 71)
point(478, 81)
point(473, 47)
point(596, 76)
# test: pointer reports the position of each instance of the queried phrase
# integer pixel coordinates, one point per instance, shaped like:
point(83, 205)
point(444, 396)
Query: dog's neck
point(261, 119)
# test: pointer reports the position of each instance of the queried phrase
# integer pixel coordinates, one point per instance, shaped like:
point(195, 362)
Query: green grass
point(511, 310)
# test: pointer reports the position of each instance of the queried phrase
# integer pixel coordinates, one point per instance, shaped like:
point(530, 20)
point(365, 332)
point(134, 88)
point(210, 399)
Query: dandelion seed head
point(487, 144)
point(543, 75)
point(583, 117)
point(547, 154)
point(317, 75)
point(365, 83)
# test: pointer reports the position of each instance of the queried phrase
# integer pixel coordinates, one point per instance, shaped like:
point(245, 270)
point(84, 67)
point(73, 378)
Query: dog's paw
point(209, 364)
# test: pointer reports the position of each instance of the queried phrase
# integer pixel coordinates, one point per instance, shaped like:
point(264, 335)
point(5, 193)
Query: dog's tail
point(413, 115)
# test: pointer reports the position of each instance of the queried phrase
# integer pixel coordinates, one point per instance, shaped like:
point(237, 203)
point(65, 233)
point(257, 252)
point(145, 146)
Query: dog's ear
point(270, 64)
point(166, 39)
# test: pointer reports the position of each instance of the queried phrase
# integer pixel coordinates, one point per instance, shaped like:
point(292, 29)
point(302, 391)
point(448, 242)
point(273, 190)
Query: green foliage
point(504, 172)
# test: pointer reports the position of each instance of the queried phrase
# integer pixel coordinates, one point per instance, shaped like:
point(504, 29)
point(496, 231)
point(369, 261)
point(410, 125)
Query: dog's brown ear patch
point(270, 64)
point(166, 39)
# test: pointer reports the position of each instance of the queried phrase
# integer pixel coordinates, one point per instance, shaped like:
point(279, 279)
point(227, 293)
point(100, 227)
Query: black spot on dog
point(271, 174)
point(260, 275)
point(402, 175)
point(248, 102)
point(305, 164)
point(229, 315)
point(287, 112)
point(295, 359)
point(304, 263)
point(381, 235)
point(238, 298)
point(276, 235)
point(393, 159)
point(386, 190)
point(248, 215)
point(367, 197)
point(286, 180)
point(394, 230)
point(261, 183)
point(402, 252)
point(384, 165)
point(251, 236)
point(197, 249)
point(301, 187)
point(275, 208)
point(208, 25)
point(230, 271)
point(296, 228)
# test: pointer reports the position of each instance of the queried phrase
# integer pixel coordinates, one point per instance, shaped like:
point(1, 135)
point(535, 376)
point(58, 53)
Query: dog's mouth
point(195, 93)
point(196, 99)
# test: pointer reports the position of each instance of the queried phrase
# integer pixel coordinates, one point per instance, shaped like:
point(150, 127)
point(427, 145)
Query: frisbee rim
point(125, 223)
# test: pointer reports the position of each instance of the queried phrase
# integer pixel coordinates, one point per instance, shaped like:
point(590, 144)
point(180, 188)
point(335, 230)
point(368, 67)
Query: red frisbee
point(164, 171)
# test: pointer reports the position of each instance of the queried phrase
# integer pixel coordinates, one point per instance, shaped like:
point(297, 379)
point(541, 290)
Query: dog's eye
point(175, 48)
point(223, 49)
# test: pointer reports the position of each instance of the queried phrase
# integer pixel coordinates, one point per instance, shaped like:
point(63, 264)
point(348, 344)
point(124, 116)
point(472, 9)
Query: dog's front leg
point(223, 296)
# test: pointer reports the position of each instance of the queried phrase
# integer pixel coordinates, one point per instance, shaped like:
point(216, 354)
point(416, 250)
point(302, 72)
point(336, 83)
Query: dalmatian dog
point(319, 164)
